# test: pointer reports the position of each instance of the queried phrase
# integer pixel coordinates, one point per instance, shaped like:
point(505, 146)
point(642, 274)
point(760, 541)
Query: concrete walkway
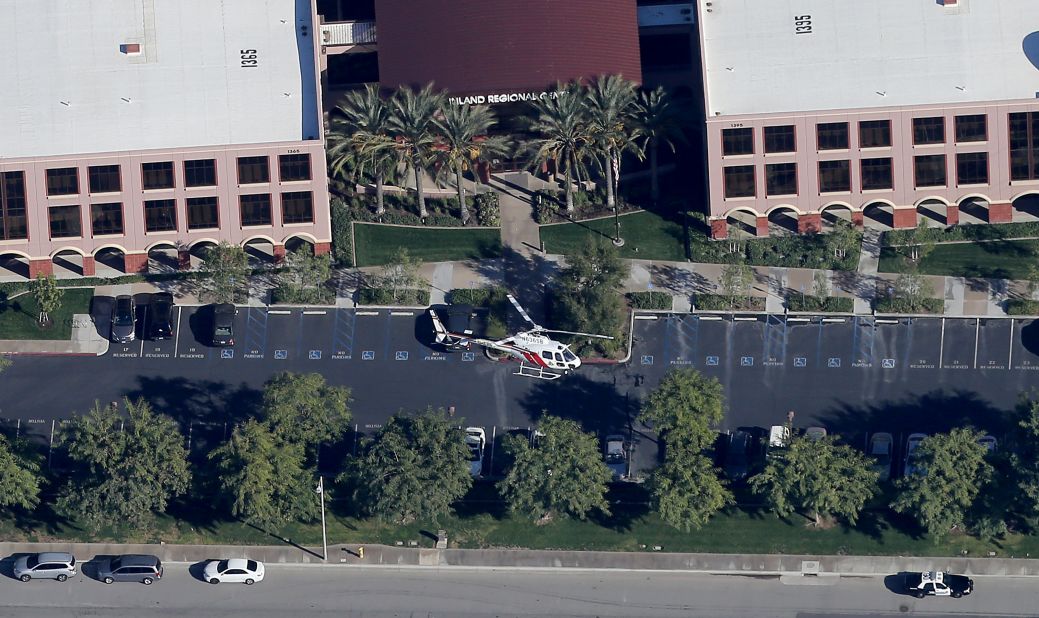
point(869, 264)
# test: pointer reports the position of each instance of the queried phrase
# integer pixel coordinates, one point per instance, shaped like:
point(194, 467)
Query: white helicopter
point(540, 356)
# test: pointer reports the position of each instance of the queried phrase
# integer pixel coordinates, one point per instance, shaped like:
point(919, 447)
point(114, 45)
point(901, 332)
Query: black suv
point(124, 319)
point(223, 325)
point(160, 314)
point(939, 584)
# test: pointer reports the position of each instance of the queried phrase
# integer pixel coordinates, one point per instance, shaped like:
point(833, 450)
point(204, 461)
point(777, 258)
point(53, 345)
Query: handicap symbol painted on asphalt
point(833, 363)
point(314, 355)
point(712, 361)
point(226, 353)
point(888, 363)
point(368, 355)
point(401, 355)
point(800, 361)
point(746, 361)
point(281, 354)
point(468, 356)
point(647, 359)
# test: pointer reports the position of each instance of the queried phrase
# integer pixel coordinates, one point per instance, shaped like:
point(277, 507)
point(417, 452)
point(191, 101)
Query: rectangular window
point(256, 209)
point(973, 128)
point(737, 142)
point(297, 207)
point(1024, 146)
point(834, 176)
point(780, 139)
point(13, 224)
point(65, 221)
point(160, 216)
point(200, 173)
point(929, 171)
point(63, 181)
point(876, 174)
point(832, 135)
point(972, 168)
point(875, 134)
point(294, 167)
point(928, 131)
point(104, 179)
point(202, 213)
point(781, 179)
point(106, 219)
point(253, 170)
point(739, 181)
point(157, 175)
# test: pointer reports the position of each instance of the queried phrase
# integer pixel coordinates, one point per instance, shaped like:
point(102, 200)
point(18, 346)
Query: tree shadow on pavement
point(599, 407)
point(680, 280)
point(206, 401)
point(525, 277)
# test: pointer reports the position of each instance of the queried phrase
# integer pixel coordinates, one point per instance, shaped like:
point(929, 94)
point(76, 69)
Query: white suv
point(48, 565)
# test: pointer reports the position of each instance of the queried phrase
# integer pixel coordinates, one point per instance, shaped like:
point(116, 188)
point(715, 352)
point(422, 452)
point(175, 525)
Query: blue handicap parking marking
point(368, 355)
point(888, 363)
point(225, 353)
point(746, 361)
point(647, 359)
point(833, 362)
point(712, 361)
point(800, 361)
point(401, 355)
point(468, 356)
point(314, 355)
point(281, 354)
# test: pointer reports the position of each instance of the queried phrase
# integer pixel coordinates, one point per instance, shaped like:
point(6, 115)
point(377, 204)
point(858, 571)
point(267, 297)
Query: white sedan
point(233, 571)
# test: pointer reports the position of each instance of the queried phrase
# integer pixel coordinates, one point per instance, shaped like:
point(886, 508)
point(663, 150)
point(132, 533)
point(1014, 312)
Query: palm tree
point(659, 122)
point(611, 102)
point(562, 124)
point(359, 139)
point(411, 123)
point(463, 140)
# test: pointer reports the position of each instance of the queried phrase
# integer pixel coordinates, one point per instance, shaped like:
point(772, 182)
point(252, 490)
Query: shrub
point(396, 217)
point(290, 295)
point(650, 300)
point(830, 304)
point(342, 236)
point(546, 206)
point(477, 297)
point(720, 302)
point(1022, 306)
point(904, 305)
point(783, 251)
point(991, 231)
point(383, 296)
point(488, 211)
point(443, 221)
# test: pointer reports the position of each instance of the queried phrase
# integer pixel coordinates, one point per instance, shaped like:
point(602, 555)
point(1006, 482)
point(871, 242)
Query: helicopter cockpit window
point(546, 354)
point(559, 357)
point(569, 356)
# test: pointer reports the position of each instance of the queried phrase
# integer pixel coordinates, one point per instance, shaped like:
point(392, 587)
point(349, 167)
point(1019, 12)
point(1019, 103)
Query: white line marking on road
point(402, 313)
point(315, 312)
point(645, 317)
point(140, 354)
point(941, 346)
point(278, 312)
point(745, 319)
point(798, 320)
point(176, 340)
point(885, 321)
point(710, 317)
point(1010, 357)
point(367, 313)
point(834, 320)
point(977, 334)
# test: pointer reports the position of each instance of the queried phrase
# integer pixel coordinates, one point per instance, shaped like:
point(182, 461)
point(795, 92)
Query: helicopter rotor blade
point(522, 312)
point(570, 332)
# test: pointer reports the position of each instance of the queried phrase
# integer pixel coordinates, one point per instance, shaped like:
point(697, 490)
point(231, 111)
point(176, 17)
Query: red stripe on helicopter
point(534, 358)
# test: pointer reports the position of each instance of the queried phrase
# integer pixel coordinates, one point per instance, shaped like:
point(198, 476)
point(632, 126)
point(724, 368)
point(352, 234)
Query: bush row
point(803, 251)
point(384, 296)
point(720, 302)
point(1022, 306)
point(991, 231)
point(289, 295)
point(650, 300)
point(905, 305)
point(830, 304)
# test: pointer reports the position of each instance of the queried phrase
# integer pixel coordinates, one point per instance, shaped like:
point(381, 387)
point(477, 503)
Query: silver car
point(48, 565)
point(130, 568)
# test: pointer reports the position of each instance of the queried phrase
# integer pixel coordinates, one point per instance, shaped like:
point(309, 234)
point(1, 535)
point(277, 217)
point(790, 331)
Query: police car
point(938, 584)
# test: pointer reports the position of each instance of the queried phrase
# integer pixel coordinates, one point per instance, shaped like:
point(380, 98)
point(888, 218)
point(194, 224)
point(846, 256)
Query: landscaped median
point(995, 251)
point(19, 315)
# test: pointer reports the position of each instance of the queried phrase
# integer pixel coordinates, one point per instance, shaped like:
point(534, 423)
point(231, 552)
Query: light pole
point(324, 537)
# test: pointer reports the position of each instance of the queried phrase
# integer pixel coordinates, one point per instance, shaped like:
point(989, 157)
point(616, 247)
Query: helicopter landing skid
point(533, 371)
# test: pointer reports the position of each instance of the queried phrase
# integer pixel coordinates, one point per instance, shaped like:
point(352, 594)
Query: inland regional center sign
point(480, 99)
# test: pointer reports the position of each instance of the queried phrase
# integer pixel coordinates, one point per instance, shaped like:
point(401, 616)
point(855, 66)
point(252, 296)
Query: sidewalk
point(406, 557)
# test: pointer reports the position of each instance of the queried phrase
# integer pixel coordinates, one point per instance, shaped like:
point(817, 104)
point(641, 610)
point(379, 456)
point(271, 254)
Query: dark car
point(939, 584)
point(124, 319)
point(130, 568)
point(160, 316)
point(737, 456)
point(223, 324)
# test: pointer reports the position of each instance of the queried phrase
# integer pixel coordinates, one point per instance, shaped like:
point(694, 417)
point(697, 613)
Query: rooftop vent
point(130, 49)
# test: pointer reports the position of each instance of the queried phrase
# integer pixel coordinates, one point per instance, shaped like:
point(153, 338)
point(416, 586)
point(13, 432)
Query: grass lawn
point(18, 315)
point(1000, 259)
point(375, 244)
point(647, 236)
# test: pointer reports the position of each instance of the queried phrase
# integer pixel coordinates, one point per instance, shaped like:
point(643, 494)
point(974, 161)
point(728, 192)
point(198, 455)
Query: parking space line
point(343, 332)
point(645, 317)
point(279, 312)
point(176, 340)
point(402, 313)
point(299, 337)
point(941, 346)
point(977, 334)
point(315, 312)
point(367, 313)
point(1010, 356)
point(709, 317)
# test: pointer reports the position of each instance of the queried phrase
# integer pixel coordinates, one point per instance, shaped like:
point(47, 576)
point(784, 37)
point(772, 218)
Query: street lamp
point(324, 537)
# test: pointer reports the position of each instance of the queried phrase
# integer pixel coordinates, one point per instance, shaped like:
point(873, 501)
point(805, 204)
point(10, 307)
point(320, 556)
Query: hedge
point(477, 297)
point(650, 300)
point(902, 305)
point(720, 302)
point(991, 231)
point(289, 295)
point(383, 296)
point(800, 251)
point(830, 304)
point(1022, 306)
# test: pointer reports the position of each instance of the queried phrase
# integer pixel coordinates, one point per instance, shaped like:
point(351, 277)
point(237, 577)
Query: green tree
point(1032, 280)
point(820, 285)
point(262, 477)
point(224, 273)
point(587, 294)
point(951, 472)
point(658, 119)
point(686, 490)
point(564, 135)
point(301, 408)
point(128, 468)
point(48, 295)
point(611, 104)
point(400, 274)
point(562, 475)
point(411, 124)
point(912, 289)
point(1024, 461)
point(414, 468)
point(919, 242)
point(463, 141)
point(735, 280)
point(20, 478)
point(842, 239)
point(817, 477)
point(359, 139)
point(304, 275)
point(685, 409)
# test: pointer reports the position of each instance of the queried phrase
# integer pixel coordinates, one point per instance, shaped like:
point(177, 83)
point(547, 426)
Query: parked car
point(130, 568)
point(233, 571)
point(815, 433)
point(939, 584)
point(475, 440)
point(989, 442)
point(160, 315)
point(880, 449)
point(737, 464)
point(124, 319)
point(223, 325)
point(616, 456)
point(912, 442)
point(48, 565)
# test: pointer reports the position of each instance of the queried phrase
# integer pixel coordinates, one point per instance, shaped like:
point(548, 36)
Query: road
point(379, 593)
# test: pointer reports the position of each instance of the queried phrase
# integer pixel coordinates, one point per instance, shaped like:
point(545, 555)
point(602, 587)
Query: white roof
point(69, 89)
point(867, 53)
